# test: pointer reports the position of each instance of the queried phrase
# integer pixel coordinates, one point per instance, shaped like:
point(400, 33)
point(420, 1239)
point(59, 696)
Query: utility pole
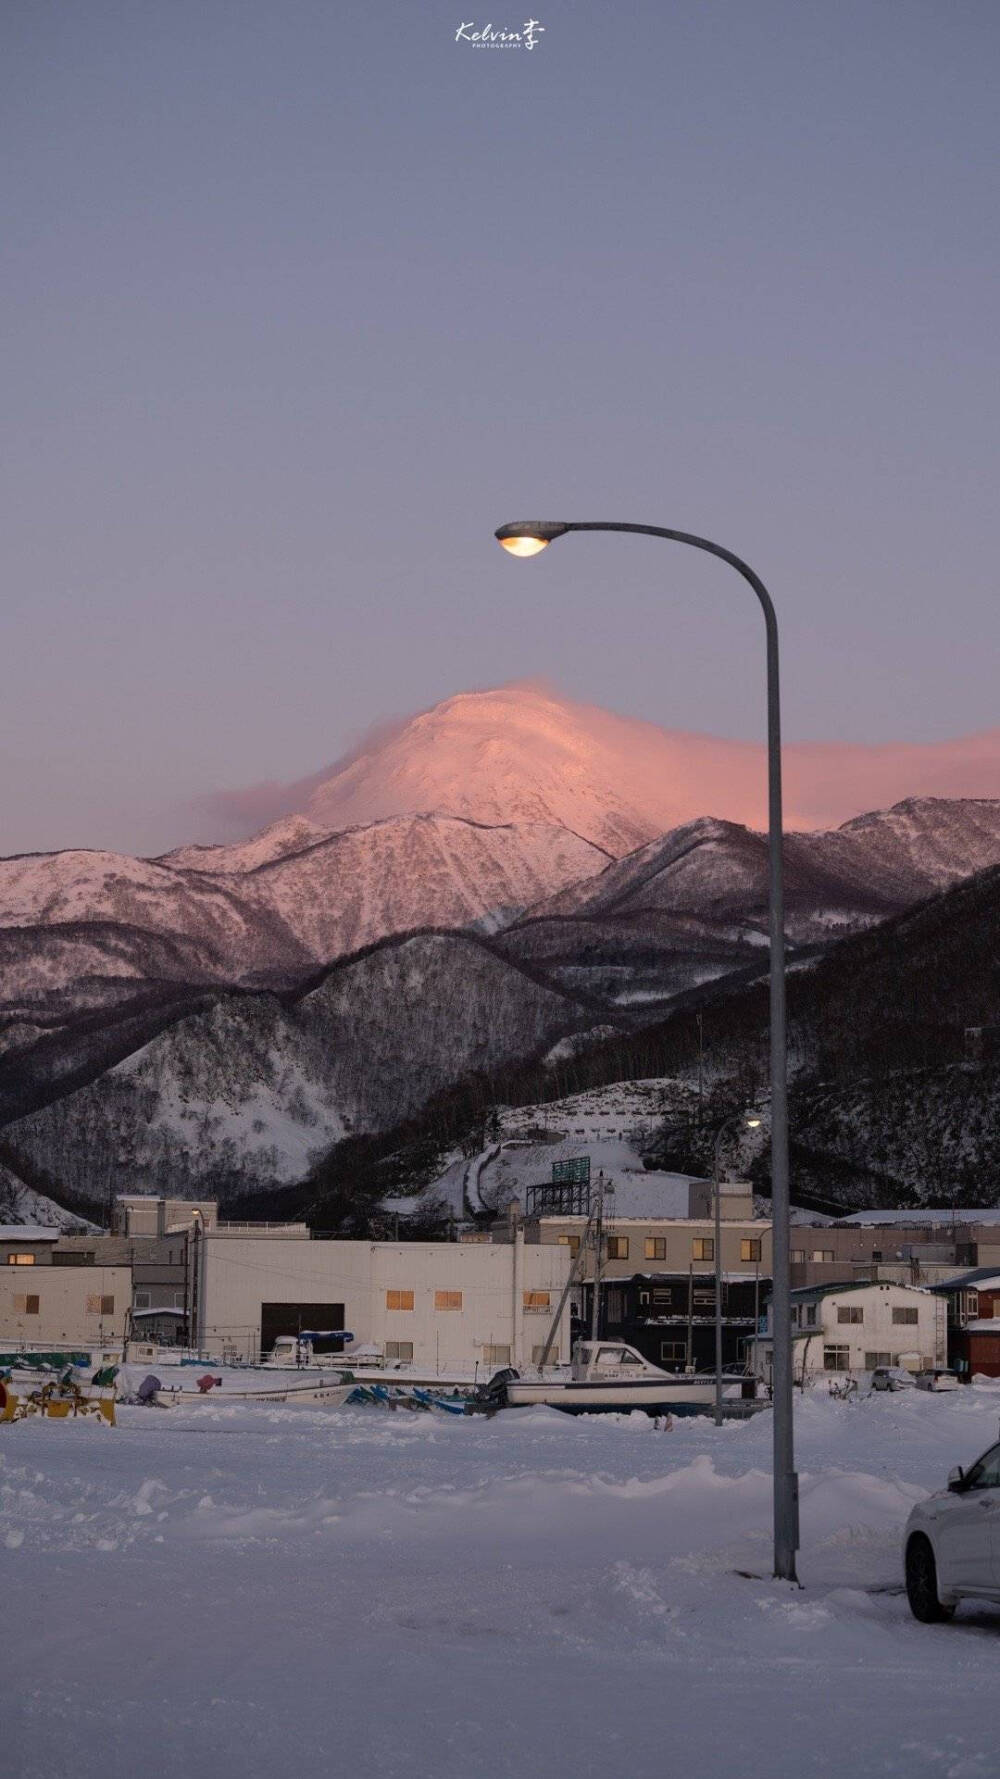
point(689, 1360)
point(595, 1302)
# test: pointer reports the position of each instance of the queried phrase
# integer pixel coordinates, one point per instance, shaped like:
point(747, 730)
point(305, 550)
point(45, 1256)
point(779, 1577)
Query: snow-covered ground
point(356, 1593)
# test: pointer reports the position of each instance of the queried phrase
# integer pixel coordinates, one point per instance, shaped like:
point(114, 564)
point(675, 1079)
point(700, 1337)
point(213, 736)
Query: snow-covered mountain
point(178, 1020)
point(694, 905)
point(248, 1091)
point(283, 902)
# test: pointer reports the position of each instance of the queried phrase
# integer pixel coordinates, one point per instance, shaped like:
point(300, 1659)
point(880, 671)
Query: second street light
point(527, 537)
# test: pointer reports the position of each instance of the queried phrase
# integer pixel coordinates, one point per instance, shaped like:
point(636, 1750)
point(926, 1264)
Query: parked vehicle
point(938, 1380)
point(951, 1547)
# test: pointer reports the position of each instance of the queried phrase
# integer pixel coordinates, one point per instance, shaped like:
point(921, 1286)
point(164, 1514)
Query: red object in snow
point(208, 1382)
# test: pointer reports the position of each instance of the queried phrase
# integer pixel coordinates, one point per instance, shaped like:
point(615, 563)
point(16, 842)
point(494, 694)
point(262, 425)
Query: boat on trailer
point(606, 1377)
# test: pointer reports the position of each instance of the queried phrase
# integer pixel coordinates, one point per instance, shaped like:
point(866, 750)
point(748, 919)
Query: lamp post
point(527, 538)
point(750, 1122)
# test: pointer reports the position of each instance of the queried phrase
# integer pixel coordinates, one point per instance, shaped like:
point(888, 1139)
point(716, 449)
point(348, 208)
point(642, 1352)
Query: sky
point(301, 300)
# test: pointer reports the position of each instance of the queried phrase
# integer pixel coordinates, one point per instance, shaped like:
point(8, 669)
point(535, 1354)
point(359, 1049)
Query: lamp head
point(527, 537)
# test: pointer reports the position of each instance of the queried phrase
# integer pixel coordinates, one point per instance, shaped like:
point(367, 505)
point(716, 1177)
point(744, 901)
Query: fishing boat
point(606, 1377)
point(323, 1392)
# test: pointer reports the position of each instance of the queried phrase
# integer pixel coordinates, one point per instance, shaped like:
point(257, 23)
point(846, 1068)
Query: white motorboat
point(606, 1377)
point(322, 1392)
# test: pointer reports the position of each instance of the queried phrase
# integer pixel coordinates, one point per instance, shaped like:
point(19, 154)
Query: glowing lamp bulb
point(524, 546)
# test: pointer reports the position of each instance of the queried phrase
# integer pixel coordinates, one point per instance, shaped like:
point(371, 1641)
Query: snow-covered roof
point(984, 1325)
point(163, 1310)
point(980, 1214)
point(28, 1232)
point(981, 1278)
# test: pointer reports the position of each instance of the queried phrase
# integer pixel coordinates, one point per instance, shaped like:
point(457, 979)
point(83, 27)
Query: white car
point(951, 1545)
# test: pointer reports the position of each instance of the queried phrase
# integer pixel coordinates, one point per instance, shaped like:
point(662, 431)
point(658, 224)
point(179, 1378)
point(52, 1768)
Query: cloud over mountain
point(524, 753)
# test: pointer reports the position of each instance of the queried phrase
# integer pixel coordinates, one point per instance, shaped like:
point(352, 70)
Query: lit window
point(702, 1248)
point(20, 1260)
point(750, 1250)
point(617, 1247)
point(399, 1349)
point(822, 1254)
point(447, 1300)
point(656, 1247)
point(536, 1302)
point(572, 1242)
point(797, 1256)
point(26, 1306)
point(905, 1314)
point(849, 1313)
point(399, 1300)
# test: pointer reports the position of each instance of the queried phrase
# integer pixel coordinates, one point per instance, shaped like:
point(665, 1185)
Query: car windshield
point(985, 1473)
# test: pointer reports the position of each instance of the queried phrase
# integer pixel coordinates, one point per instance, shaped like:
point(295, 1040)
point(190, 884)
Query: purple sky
point(303, 299)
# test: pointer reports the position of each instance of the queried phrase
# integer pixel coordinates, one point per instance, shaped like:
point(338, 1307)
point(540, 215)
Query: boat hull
point(655, 1397)
point(327, 1395)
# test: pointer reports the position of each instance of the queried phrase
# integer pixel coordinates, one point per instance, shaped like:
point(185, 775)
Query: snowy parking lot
point(249, 1591)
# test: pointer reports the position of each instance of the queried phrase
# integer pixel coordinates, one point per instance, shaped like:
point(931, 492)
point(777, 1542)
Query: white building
point(854, 1328)
point(61, 1306)
point(444, 1307)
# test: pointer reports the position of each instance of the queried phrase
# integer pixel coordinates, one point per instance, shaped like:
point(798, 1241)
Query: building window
point(617, 1247)
point(873, 1360)
point(536, 1303)
point(73, 1257)
point(572, 1242)
point(447, 1300)
point(399, 1349)
point(20, 1260)
point(702, 1248)
point(100, 1306)
point(539, 1356)
point(906, 1315)
point(837, 1358)
point(703, 1300)
point(496, 1355)
point(26, 1306)
point(656, 1247)
point(140, 1300)
point(399, 1300)
point(822, 1254)
point(673, 1349)
point(797, 1256)
point(643, 1298)
point(750, 1249)
point(810, 1309)
point(849, 1313)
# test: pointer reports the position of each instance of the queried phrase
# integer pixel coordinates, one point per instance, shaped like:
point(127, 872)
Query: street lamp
point(749, 1121)
point(527, 537)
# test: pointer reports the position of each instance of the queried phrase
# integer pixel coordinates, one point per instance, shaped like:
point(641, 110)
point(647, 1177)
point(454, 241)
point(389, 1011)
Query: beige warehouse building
point(440, 1306)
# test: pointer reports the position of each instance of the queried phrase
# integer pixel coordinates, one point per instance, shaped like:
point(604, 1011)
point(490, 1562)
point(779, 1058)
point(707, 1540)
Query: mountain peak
point(525, 753)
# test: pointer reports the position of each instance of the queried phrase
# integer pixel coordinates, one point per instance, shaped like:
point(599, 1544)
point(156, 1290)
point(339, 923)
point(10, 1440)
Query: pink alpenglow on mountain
point(523, 754)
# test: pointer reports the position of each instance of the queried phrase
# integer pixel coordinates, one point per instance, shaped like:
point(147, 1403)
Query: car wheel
point(921, 1584)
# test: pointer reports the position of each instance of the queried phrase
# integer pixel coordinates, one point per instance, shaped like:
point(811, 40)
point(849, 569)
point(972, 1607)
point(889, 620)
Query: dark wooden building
point(670, 1317)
